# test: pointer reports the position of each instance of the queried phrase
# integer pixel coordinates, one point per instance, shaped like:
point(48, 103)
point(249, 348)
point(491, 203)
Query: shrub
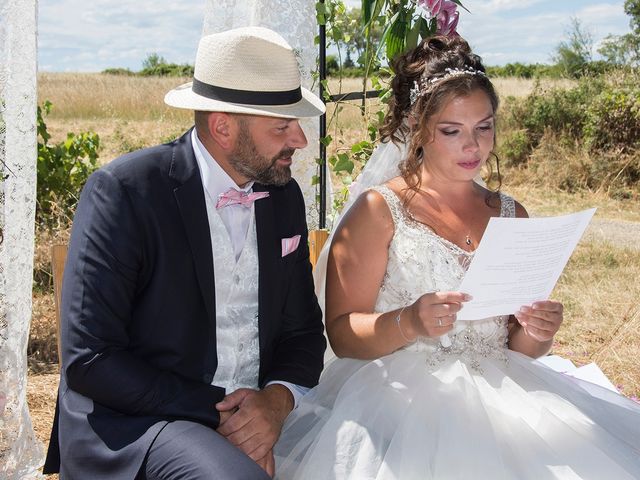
point(515, 148)
point(168, 70)
point(562, 111)
point(119, 71)
point(156, 65)
point(586, 137)
point(571, 167)
point(517, 69)
point(613, 117)
point(63, 169)
point(333, 67)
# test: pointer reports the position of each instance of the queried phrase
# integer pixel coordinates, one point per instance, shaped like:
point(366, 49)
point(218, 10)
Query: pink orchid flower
point(434, 6)
point(447, 18)
point(445, 12)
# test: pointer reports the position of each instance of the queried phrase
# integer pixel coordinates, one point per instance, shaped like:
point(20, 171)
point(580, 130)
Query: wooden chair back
point(317, 239)
point(58, 259)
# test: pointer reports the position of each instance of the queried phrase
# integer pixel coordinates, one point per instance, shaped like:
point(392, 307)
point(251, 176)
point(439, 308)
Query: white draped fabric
point(295, 20)
point(20, 452)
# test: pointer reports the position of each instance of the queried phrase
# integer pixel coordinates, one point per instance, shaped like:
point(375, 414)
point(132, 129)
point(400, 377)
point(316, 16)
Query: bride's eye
point(449, 132)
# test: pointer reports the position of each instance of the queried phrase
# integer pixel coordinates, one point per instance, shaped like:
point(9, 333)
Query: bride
point(416, 394)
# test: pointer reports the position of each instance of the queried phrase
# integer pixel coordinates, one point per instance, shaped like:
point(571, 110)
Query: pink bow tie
point(235, 197)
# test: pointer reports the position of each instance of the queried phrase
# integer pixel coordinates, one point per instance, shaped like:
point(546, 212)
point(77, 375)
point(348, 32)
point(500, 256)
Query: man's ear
point(223, 129)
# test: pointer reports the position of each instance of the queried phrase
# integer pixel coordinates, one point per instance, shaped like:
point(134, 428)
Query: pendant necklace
point(468, 240)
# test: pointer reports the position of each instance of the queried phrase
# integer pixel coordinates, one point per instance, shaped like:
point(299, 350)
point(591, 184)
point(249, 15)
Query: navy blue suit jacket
point(138, 319)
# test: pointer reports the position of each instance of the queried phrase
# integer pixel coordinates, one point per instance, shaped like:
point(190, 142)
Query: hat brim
point(184, 97)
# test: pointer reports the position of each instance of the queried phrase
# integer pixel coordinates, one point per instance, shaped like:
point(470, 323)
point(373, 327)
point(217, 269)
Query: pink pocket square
point(290, 245)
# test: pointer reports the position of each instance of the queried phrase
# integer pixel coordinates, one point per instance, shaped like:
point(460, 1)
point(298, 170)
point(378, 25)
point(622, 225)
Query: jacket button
point(207, 377)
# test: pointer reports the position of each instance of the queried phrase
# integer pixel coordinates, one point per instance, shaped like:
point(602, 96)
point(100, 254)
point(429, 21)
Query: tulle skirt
point(400, 418)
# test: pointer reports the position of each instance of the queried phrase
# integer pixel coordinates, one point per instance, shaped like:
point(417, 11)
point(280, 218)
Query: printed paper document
point(518, 262)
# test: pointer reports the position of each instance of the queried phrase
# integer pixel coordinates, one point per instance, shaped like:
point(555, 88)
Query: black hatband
point(246, 97)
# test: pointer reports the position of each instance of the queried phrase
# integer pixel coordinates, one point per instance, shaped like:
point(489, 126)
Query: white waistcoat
point(236, 285)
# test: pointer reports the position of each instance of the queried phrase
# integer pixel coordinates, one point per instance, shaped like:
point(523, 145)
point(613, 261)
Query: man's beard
point(246, 160)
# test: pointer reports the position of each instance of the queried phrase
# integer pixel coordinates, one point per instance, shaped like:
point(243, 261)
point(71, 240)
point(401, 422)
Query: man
point(189, 322)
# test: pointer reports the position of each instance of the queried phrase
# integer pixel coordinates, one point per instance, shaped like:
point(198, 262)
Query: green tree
point(632, 8)
point(624, 49)
point(156, 65)
point(153, 61)
point(574, 53)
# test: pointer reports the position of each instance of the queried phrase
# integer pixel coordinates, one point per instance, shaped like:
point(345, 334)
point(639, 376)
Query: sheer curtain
point(20, 452)
point(295, 20)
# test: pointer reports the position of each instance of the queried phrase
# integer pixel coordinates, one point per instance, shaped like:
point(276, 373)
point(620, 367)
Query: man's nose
point(297, 138)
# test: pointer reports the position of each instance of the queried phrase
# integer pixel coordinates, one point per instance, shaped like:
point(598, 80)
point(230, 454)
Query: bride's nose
point(471, 143)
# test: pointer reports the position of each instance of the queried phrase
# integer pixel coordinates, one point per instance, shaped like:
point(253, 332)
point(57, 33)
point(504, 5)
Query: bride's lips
point(469, 165)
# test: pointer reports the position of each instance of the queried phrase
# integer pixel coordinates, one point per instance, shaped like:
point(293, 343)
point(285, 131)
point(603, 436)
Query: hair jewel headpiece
point(423, 87)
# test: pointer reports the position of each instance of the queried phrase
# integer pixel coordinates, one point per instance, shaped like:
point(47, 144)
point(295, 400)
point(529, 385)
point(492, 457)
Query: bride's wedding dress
point(475, 410)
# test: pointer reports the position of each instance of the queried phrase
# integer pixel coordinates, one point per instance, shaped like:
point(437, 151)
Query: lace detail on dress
point(507, 206)
point(420, 261)
point(470, 346)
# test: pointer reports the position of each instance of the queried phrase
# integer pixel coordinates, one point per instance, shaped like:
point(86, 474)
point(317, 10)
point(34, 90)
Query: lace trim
point(401, 216)
point(470, 346)
point(398, 212)
point(508, 206)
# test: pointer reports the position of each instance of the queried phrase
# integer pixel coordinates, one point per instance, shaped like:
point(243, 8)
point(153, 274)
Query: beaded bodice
point(419, 262)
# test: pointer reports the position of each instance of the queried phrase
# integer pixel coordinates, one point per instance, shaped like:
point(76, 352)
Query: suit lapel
point(190, 199)
point(268, 253)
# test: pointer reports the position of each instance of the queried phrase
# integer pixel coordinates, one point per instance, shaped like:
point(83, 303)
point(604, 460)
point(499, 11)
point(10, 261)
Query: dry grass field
point(600, 287)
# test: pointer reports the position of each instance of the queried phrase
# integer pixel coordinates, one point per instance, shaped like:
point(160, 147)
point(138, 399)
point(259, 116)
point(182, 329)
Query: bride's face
point(461, 137)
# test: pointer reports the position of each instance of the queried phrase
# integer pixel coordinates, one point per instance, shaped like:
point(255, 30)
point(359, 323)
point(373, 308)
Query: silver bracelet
point(400, 327)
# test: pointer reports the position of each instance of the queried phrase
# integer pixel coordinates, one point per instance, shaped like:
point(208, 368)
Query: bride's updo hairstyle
point(426, 78)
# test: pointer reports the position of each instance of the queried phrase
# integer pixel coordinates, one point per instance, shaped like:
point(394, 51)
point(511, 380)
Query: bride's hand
point(434, 314)
point(541, 320)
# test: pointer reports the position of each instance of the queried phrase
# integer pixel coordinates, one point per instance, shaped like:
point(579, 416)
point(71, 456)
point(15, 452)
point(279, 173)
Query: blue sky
point(75, 35)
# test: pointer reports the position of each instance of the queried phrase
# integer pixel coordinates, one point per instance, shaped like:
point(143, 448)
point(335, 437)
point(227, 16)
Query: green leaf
point(347, 180)
point(368, 7)
point(412, 35)
point(336, 34)
point(378, 8)
point(431, 28)
point(396, 38)
point(344, 164)
point(326, 141)
point(459, 3)
point(386, 33)
point(321, 8)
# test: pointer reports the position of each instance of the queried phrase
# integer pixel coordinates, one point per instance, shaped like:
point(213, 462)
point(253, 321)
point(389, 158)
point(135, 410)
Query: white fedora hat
point(250, 70)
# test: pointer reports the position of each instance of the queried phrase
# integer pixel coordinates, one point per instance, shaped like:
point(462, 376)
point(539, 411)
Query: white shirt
point(236, 218)
point(216, 181)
